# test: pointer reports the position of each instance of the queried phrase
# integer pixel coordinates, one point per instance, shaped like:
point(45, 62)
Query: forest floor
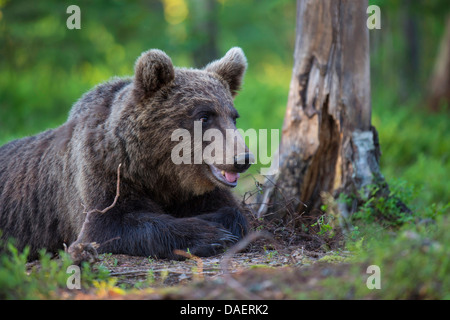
point(276, 261)
point(272, 264)
point(249, 275)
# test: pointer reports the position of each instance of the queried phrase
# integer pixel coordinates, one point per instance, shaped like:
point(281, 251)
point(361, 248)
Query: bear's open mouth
point(230, 179)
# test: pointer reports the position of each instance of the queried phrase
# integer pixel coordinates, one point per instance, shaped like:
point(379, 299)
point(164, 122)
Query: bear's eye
point(204, 118)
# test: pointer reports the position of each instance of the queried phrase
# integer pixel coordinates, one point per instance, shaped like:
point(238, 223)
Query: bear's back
point(101, 97)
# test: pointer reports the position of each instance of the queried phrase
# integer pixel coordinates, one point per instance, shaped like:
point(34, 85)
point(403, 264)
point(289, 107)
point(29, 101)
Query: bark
point(411, 60)
point(204, 31)
point(439, 92)
point(328, 143)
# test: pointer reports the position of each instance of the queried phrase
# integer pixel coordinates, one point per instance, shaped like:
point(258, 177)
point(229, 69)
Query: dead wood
point(81, 251)
point(328, 143)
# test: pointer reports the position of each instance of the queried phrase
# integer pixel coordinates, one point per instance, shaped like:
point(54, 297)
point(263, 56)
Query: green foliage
point(13, 275)
point(414, 263)
point(16, 284)
point(379, 210)
point(44, 279)
point(325, 226)
point(411, 249)
point(415, 148)
point(384, 209)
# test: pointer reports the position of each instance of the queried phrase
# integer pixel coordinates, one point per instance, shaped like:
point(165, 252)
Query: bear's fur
point(49, 181)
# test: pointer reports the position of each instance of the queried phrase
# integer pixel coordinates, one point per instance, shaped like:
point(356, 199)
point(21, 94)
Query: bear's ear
point(230, 68)
point(153, 70)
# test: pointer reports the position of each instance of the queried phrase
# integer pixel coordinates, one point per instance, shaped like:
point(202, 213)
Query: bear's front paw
point(210, 240)
point(229, 218)
point(211, 247)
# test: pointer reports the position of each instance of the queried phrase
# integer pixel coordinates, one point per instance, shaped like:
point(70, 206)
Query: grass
point(414, 262)
point(44, 280)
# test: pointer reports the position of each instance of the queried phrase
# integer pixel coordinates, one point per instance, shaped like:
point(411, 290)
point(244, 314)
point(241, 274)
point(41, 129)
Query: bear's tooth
point(223, 172)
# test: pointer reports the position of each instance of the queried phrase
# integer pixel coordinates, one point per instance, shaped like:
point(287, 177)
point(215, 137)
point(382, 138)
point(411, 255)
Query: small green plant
point(262, 225)
point(324, 224)
point(44, 278)
point(40, 281)
point(387, 209)
point(270, 254)
point(108, 258)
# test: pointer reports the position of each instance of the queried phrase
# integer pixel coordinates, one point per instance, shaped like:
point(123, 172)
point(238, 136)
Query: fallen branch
point(270, 187)
point(115, 198)
point(192, 257)
point(225, 263)
point(87, 251)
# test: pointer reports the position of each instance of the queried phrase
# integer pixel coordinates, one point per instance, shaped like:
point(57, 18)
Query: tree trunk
point(411, 60)
point(440, 81)
point(204, 31)
point(328, 143)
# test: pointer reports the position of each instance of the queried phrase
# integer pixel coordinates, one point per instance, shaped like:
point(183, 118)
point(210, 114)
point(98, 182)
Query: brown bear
point(49, 181)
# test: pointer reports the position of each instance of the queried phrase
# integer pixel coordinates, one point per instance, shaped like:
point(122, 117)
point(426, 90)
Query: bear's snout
point(243, 161)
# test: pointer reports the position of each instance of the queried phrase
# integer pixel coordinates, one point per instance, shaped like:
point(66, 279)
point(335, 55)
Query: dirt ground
point(269, 264)
point(160, 273)
point(248, 275)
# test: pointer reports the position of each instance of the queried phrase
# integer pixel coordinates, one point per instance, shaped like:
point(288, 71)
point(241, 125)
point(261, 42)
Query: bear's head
point(183, 124)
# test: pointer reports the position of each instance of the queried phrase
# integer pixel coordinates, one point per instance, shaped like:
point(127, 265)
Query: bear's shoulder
point(98, 98)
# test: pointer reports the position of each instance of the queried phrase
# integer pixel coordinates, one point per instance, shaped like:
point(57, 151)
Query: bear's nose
point(243, 161)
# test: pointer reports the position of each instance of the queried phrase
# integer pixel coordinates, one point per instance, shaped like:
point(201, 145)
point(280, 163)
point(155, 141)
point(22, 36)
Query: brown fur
point(45, 180)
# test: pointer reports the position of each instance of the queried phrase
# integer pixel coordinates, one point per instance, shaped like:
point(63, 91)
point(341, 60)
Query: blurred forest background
point(45, 68)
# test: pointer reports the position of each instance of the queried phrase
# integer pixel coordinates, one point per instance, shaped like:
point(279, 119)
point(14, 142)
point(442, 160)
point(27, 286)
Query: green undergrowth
point(410, 247)
point(44, 279)
point(414, 263)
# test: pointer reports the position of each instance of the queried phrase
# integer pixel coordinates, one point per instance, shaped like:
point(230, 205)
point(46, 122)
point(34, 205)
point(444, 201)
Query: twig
point(192, 257)
point(80, 251)
point(88, 214)
point(268, 193)
point(224, 264)
point(115, 198)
